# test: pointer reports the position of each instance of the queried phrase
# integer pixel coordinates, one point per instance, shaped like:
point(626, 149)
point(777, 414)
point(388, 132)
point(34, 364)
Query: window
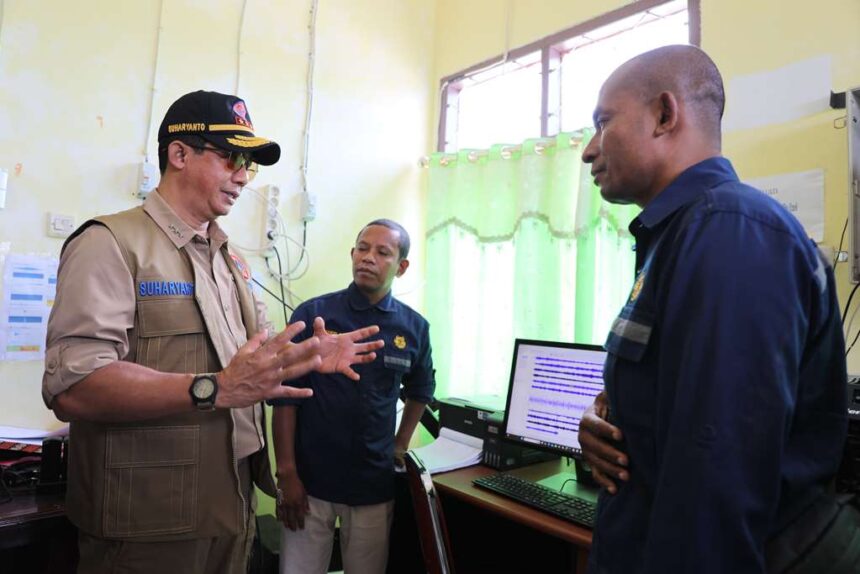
point(552, 85)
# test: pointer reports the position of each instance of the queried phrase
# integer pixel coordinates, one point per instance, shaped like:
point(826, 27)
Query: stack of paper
point(450, 451)
point(29, 436)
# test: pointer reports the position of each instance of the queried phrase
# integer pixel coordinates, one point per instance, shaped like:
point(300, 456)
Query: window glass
point(596, 54)
point(502, 109)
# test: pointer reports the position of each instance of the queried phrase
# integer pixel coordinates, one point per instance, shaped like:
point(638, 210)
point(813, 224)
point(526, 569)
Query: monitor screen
point(551, 386)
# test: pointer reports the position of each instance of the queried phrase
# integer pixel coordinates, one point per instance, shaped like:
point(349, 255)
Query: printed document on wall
point(802, 194)
point(29, 288)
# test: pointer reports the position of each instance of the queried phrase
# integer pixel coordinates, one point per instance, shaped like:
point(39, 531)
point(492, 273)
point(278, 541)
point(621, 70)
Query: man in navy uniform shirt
point(336, 451)
point(724, 415)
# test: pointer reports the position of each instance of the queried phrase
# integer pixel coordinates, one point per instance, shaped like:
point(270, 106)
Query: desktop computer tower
point(503, 455)
point(848, 477)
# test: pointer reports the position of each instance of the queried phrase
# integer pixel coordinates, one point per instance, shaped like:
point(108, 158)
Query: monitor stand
point(579, 483)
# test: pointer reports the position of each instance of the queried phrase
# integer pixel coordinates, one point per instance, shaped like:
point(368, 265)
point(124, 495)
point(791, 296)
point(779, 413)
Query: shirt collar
point(179, 232)
point(358, 302)
point(686, 188)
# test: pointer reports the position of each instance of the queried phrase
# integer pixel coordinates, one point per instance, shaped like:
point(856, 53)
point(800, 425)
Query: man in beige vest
point(159, 356)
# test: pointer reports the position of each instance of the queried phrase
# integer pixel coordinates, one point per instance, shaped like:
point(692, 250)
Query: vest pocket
point(171, 336)
point(151, 481)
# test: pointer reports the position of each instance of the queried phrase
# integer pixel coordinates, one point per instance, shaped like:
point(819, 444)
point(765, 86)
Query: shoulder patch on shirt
point(637, 286)
point(240, 265)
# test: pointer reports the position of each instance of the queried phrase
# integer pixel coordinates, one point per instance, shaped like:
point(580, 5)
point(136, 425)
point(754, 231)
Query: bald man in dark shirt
point(724, 414)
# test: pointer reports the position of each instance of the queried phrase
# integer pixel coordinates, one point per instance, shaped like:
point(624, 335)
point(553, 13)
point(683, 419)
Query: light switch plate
point(60, 225)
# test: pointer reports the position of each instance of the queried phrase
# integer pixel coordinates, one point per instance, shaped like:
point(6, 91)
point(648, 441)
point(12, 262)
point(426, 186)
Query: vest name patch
point(164, 288)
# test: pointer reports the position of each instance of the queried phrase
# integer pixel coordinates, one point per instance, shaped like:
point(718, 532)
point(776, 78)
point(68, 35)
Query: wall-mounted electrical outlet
point(60, 225)
point(309, 206)
point(270, 229)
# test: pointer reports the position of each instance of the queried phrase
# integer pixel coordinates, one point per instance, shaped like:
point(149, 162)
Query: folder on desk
point(452, 450)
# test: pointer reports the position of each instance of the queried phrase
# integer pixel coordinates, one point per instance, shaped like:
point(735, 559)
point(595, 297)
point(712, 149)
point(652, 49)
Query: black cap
point(221, 120)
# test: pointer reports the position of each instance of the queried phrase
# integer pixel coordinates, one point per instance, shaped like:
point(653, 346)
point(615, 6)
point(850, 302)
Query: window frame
point(551, 50)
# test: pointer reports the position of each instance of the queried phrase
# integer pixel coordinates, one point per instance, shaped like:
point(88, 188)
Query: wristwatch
point(203, 390)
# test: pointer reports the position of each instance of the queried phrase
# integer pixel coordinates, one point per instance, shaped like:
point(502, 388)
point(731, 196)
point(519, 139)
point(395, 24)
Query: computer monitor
point(551, 385)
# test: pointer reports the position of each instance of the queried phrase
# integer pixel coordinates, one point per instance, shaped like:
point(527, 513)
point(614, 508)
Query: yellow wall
point(76, 90)
point(76, 83)
point(743, 38)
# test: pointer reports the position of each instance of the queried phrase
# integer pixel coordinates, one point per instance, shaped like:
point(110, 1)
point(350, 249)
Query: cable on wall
point(296, 271)
point(154, 81)
point(310, 92)
point(239, 47)
point(2, 14)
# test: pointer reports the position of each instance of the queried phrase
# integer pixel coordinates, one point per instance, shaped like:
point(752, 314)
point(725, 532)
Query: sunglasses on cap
point(236, 160)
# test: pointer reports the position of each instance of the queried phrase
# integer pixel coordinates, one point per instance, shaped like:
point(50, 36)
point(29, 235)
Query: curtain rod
point(507, 152)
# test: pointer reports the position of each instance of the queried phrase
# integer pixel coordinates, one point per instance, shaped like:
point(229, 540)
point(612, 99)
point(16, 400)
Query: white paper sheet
point(801, 193)
point(452, 450)
point(29, 288)
point(28, 435)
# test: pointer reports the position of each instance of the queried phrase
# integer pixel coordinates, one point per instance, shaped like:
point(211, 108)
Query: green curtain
point(519, 244)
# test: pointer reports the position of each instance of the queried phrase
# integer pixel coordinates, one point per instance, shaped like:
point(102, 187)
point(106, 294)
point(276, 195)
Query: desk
point(36, 536)
point(568, 543)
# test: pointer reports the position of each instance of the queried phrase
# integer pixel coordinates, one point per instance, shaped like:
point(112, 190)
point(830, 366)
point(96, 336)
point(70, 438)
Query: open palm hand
point(340, 352)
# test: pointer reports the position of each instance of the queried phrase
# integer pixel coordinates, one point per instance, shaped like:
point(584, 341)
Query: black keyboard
point(566, 506)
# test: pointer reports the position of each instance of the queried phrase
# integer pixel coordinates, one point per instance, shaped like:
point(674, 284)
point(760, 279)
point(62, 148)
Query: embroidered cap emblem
point(240, 114)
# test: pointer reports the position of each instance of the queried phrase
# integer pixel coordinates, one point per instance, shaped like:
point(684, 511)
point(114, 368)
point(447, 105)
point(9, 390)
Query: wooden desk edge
point(458, 483)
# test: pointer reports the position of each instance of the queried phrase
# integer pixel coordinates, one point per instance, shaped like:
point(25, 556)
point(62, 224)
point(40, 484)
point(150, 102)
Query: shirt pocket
point(151, 481)
point(630, 333)
point(396, 366)
point(171, 336)
point(629, 383)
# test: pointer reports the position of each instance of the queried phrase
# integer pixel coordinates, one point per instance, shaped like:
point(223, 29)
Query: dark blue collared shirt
point(726, 374)
point(345, 432)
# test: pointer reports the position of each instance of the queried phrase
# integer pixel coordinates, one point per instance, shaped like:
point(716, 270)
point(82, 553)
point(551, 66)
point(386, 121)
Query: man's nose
point(240, 176)
point(590, 152)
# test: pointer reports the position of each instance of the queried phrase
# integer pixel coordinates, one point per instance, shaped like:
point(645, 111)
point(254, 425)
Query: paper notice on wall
point(801, 193)
point(29, 288)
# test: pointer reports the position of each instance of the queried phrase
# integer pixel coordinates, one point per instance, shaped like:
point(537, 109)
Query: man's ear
point(668, 109)
point(402, 267)
point(176, 154)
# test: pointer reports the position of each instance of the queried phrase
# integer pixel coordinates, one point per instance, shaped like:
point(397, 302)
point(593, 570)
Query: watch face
point(204, 387)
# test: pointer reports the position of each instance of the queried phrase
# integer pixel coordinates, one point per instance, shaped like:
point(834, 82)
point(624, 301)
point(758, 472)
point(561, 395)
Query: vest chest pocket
point(151, 481)
point(171, 336)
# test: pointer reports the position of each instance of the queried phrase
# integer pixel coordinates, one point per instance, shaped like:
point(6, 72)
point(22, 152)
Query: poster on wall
point(29, 288)
point(801, 193)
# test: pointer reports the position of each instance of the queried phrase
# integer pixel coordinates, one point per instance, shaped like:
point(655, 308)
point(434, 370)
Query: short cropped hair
point(402, 245)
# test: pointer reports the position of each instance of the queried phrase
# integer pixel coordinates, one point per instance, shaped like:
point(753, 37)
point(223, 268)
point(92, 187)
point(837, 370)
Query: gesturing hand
point(256, 371)
point(340, 352)
point(595, 437)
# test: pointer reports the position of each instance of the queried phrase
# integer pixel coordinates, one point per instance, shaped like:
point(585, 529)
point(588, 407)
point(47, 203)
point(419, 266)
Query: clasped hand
point(596, 437)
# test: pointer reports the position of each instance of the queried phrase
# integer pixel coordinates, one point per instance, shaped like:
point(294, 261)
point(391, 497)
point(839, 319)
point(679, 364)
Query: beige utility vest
point(173, 477)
